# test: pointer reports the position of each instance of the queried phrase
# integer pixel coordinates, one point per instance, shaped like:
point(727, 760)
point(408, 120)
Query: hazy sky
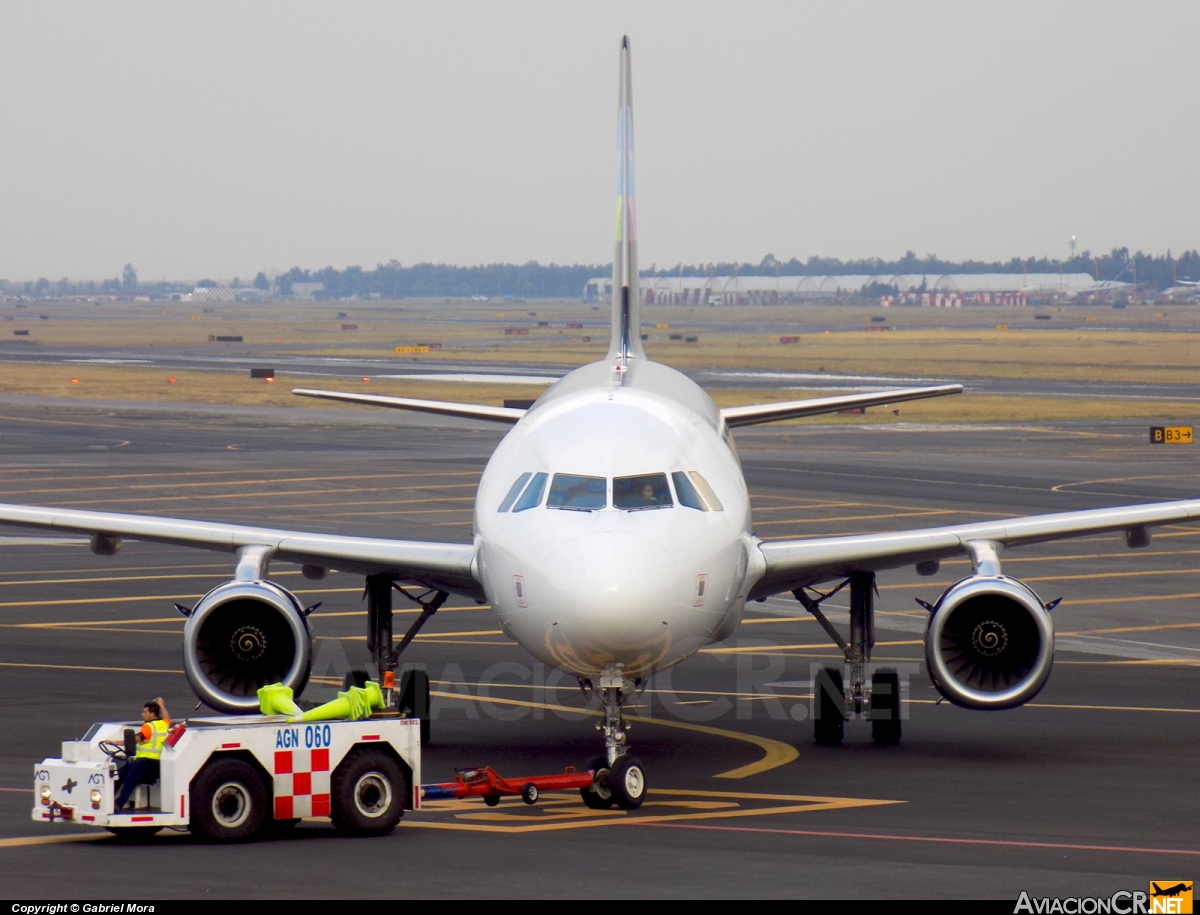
point(219, 139)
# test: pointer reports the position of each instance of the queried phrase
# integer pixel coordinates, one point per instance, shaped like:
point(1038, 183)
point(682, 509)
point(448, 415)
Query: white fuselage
point(585, 590)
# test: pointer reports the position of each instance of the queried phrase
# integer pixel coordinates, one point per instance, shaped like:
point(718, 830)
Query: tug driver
point(143, 768)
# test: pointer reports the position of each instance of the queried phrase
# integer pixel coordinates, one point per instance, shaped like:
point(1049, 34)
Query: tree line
point(533, 280)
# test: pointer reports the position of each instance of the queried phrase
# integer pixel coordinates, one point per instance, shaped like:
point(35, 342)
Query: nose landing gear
point(617, 777)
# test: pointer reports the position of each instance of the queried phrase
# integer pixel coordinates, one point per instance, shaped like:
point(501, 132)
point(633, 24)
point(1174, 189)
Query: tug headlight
point(95, 798)
point(45, 793)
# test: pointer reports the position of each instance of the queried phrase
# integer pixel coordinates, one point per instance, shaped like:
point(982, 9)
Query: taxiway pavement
point(1086, 791)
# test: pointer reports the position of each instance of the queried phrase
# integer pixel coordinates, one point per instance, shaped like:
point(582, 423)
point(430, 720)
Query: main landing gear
point(618, 777)
point(413, 693)
point(833, 698)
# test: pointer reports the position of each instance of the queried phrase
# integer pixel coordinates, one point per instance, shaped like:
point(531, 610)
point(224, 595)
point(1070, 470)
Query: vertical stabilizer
point(626, 340)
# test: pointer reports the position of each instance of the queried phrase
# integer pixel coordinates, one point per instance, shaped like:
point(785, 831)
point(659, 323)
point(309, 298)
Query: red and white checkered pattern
point(301, 783)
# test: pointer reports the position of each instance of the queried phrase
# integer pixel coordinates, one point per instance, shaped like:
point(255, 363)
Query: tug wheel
point(229, 801)
point(367, 793)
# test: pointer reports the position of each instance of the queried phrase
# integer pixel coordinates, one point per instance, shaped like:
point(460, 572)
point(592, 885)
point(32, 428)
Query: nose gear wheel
point(618, 778)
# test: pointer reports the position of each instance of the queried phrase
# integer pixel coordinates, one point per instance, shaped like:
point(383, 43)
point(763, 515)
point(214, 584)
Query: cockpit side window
point(688, 497)
point(514, 492)
point(577, 493)
point(706, 490)
point(648, 490)
point(533, 495)
point(727, 435)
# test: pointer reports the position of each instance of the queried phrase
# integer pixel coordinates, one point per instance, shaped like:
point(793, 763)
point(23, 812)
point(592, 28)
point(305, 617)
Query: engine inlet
point(990, 643)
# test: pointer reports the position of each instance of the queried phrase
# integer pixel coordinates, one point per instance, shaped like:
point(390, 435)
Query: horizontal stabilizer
point(815, 406)
point(508, 415)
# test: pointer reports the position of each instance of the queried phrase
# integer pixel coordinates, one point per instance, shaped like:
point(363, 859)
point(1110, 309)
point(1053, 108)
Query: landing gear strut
point(833, 696)
point(414, 688)
point(619, 777)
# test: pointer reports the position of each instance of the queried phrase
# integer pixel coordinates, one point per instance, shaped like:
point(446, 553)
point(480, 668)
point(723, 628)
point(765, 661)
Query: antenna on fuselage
point(626, 342)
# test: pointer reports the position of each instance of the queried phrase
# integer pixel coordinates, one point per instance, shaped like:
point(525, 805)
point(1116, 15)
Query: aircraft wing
point(508, 415)
point(446, 566)
point(814, 406)
point(792, 564)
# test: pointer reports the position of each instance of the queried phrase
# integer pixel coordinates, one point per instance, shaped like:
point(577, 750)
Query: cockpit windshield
point(576, 493)
point(572, 492)
point(648, 490)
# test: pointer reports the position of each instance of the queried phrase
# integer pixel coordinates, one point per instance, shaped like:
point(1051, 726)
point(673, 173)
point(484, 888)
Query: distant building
point(222, 294)
point(213, 294)
point(747, 290)
point(307, 290)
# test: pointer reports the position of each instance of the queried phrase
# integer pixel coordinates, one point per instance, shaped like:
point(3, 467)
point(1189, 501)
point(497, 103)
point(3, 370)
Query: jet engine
point(990, 643)
point(243, 635)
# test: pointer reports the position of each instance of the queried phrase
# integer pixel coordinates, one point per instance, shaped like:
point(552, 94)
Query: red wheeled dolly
point(485, 783)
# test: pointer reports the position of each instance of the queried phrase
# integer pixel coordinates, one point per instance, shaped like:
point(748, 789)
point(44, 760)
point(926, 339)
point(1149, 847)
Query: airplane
point(613, 538)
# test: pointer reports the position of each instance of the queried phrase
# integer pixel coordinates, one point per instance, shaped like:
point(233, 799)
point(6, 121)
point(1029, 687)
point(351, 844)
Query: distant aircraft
point(613, 537)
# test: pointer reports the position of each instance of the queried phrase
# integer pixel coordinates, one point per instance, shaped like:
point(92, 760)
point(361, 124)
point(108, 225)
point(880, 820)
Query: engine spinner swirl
point(248, 643)
point(989, 638)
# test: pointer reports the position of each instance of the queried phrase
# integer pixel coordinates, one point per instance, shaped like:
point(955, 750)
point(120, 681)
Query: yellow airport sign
point(662, 325)
point(405, 350)
point(1171, 435)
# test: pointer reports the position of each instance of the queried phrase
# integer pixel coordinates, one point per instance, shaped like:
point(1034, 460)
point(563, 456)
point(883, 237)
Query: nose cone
point(611, 592)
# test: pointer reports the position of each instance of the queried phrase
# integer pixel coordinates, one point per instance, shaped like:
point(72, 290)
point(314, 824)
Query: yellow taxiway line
point(776, 752)
point(707, 805)
point(21, 841)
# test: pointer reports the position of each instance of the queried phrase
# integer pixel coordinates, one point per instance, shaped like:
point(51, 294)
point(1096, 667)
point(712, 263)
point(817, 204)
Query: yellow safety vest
point(152, 748)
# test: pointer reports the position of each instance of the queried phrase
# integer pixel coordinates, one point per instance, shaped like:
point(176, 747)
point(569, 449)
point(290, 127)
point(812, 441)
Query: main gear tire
point(829, 707)
point(885, 707)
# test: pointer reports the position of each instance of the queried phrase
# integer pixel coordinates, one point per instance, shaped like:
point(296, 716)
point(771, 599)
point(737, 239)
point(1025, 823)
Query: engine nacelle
point(243, 635)
point(990, 643)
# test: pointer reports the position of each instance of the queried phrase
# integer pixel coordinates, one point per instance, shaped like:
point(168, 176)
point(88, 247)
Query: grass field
point(1142, 343)
point(152, 385)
